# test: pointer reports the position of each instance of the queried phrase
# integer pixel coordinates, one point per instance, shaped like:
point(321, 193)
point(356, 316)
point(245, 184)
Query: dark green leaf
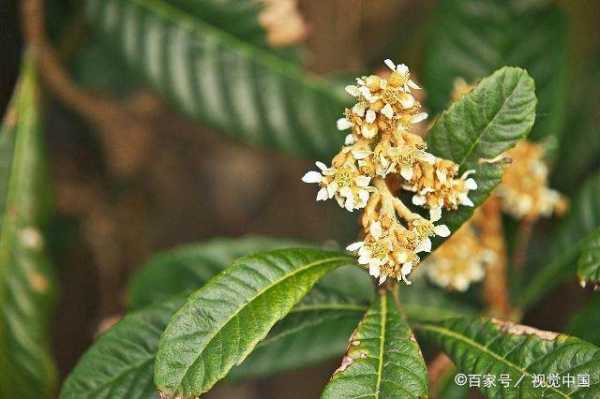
point(481, 346)
point(26, 279)
point(586, 323)
point(189, 267)
point(232, 85)
point(383, 358)
point(449, 389)
point(121, 363)
point(473, 38)
point(222, 322)
point(316, 329)
point(559, 263)
point(422, 302)
point(237, 17)
point(482, 125)
point(588, 265)
point(579, 154)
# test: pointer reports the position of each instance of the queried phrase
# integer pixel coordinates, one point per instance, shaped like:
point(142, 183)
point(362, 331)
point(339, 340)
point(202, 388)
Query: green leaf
point(316, 329)
point(588, 265)
point(421, 302)
point(482, 346)
point(559, 262)
point(237, 17)
point(579, 154)
point(210, 74)
point(189, 267)
point(383, 358)
point(449, 389)
point(586, 323)
point(482, 125)
point(26, 277)
point(472, 38)
point(120, 364)
point(222, 322)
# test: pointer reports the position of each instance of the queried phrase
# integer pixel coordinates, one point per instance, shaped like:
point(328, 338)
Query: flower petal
point(312, 177)
point(352, 90)
point(355, 246)
point(419, 117)
point(435, 214)
point(390, 64)
point(322, 194)
point(406, 172)
point(419, 200)
point(388, 111)
point(343, 124)
point(471, 184)
point(442, 230)
point(375, 230)
point(371, 116)
point(424, 246)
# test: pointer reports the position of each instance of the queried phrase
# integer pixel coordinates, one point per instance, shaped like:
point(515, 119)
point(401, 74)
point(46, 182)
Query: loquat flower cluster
point(381, 149)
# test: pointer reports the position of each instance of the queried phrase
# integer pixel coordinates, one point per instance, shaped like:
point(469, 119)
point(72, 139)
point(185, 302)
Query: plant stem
point(495, 286)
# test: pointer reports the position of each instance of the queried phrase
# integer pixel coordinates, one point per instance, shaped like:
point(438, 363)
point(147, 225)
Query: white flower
point(403, 70)
point(361, 154)
point(405, 271)
point(344, 124)
point(425, 229)
point(352, 90)
point(359, 109)
point(388, 111)
point(371, 116)
point(418, 117)
point(469, 185)
point(349, 140)
point(312, 177)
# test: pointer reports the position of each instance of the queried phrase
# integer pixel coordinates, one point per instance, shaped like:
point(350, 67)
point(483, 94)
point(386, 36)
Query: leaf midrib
point(252, 299)
point(487, 126)
point(382, 325)
point(477, 345)
point(180, 18)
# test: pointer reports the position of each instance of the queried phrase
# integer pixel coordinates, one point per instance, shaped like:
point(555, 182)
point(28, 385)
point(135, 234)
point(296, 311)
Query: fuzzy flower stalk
point(381, 151)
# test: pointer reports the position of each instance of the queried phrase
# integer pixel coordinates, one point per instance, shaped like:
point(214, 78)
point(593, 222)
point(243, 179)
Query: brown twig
point(495, 286)
point(522, 243)
point(437, 368)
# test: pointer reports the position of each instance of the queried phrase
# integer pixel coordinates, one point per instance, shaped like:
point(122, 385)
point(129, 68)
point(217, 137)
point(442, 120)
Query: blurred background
point(125, 190)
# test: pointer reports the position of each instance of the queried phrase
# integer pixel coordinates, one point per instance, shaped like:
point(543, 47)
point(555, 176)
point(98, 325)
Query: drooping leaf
point(383, 358)
point(190, 267)
point(588, 265)
point(120, 364)
point(212, 75)
point(586, 323)
point(222, 322)
point(26, 277)
point(482, 125)
point(559, 262)
point(470, 39)
point(490, 347)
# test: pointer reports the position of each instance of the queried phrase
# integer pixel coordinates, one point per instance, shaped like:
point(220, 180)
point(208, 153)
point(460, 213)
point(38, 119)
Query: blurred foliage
point(27, 284)
point(211, 61)
point(471, 38)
